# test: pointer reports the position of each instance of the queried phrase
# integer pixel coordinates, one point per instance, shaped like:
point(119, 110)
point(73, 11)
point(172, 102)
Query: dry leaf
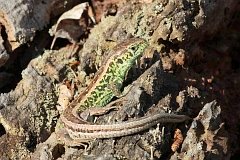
point(65, 96)
point(180, 58)
point(69, 26)
point(178, 139)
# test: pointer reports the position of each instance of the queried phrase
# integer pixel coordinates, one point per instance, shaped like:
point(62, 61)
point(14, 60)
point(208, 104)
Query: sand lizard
point(98, 94)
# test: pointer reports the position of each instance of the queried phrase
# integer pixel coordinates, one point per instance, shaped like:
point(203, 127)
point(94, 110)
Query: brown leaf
point(69, 26)
point(65, 96)
point(178, 139)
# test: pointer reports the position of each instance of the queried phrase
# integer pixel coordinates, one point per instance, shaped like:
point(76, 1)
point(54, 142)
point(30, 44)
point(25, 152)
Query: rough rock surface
point(184, 70)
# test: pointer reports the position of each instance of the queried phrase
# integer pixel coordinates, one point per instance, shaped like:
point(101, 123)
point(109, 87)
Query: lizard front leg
point(97, 111)
point(88, 114)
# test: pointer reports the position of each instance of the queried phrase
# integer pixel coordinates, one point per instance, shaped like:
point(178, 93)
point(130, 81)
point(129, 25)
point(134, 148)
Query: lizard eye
point(133, 48)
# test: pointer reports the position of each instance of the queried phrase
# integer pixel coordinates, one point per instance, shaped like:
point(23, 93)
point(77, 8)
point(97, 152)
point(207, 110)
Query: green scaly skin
point(113, 71)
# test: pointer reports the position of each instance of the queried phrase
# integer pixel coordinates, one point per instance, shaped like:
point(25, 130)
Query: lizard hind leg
point(63, 137)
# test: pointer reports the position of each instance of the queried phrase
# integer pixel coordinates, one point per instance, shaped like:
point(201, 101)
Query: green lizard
point(109, 79)
point(74, 130)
